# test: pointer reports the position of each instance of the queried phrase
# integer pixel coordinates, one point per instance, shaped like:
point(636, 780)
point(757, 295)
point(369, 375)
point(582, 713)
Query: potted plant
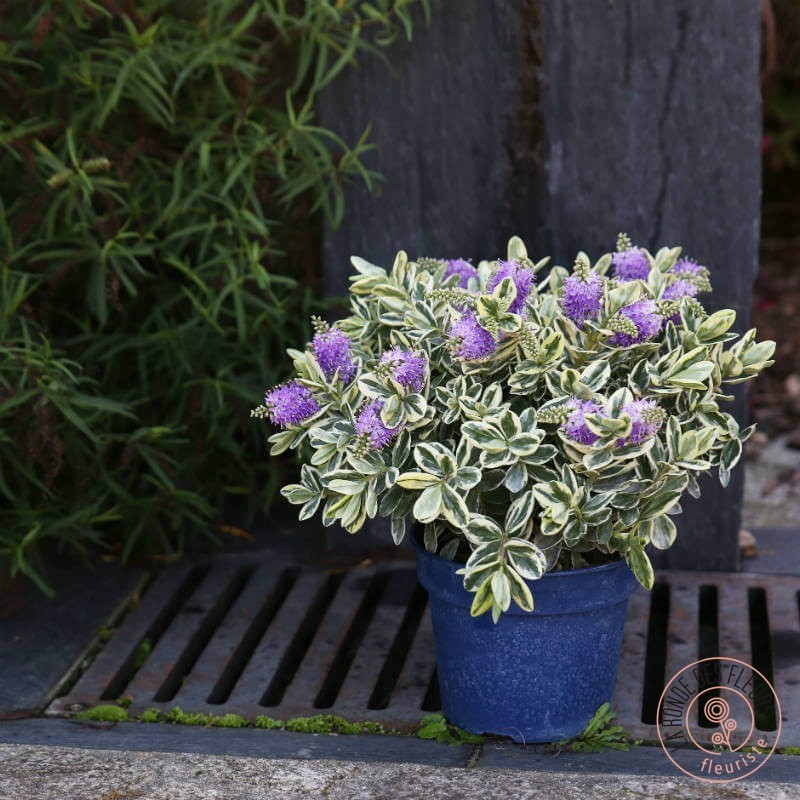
point(539, 427)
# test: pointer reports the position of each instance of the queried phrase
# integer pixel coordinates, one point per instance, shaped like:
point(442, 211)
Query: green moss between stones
point(320, 723)
point(180, 717)
point(268, 723)
point(105, 713)
point(230, 721)
point(328, 723)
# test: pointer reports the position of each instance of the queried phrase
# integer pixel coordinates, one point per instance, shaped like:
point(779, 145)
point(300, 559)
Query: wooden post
point(565, 123)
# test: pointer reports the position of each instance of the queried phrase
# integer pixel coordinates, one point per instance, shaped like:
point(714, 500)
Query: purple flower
point(331, 348)
point(290, 403)
point(407, 368)
point(575, 427)
point(679, 290)
point(645, 318)
point(469, 340)
point(631, 264)
point(583, 296)
point(676, 292)
point(646, 418)
point(370, 426)
point(688, 268)
point(463, 269)
point(522, 277)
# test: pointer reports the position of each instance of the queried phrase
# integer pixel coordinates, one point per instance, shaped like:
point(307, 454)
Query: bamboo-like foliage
point(163, 182)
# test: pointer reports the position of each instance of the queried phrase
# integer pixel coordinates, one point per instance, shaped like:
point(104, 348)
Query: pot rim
point(564, 573)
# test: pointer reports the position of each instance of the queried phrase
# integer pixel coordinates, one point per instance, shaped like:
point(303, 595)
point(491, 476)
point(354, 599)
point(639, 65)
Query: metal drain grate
point(250, 637)
point(254, 636)
point(695, 615)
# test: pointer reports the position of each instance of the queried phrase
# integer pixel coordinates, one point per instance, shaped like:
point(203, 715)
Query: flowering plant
point(528, 423)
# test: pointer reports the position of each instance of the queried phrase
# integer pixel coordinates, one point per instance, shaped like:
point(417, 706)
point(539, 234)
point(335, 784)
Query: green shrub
point(781, 92)
point(163, 181)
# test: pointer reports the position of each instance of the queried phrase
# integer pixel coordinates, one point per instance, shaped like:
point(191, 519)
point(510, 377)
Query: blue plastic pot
point(535, 676)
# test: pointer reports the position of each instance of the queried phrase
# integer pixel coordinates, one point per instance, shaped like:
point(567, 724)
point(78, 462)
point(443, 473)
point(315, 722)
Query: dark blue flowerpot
point(535, 676)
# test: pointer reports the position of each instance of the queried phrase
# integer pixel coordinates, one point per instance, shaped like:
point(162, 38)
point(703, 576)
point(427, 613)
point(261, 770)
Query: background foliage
point(162, 181)
point(780, 83)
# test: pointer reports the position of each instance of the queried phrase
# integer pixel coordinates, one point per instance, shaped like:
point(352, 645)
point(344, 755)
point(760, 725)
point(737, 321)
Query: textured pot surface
point(535, 676)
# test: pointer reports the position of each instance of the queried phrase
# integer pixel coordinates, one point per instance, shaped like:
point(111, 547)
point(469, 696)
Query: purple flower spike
point(407, 368)
point(647, 320)
point(679, 290)
point(575, 427)
point(631, 264)
point(583, 296)
point(290, 404)
point(470, 341)
point(371, 428)
point(688, 268)
point(331, 348)
point(463, 269)
point(523, 279)
point(646, 418)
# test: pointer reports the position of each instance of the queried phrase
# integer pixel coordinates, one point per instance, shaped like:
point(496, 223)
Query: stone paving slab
point(251, 742)
point(41, 638)
point(275, 746)
point(33, 772)
point(771, 493)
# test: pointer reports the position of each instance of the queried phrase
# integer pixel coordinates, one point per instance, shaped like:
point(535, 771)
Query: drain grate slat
point(629, 696)
point(784, 616)
point(304, 635)
point(187, 627)
point(196, 646)
point(400, 651)
point(366, 667)
point(212, 663)
point(734, 613)
point(254, 634)
point(266, 658)
point(415, 677)
point(351, 644)
point(117, 661)
point(329, 640)
point(683, 629)
point(249, 621)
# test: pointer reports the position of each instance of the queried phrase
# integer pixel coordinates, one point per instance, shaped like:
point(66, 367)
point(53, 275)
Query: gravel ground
point(60, 773)
point(772, 487)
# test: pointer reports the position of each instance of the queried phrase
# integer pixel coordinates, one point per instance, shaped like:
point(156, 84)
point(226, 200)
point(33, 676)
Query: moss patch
point(229, 721)
point(328, 723)
point(320, 723)
point(107, 713)
point(268, 723)
point(150, 715)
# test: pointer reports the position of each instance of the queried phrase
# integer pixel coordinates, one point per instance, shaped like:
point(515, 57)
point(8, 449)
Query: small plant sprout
point(600, 734)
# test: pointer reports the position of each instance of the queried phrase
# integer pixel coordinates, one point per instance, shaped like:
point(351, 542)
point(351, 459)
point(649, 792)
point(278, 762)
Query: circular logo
point(719, 720)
